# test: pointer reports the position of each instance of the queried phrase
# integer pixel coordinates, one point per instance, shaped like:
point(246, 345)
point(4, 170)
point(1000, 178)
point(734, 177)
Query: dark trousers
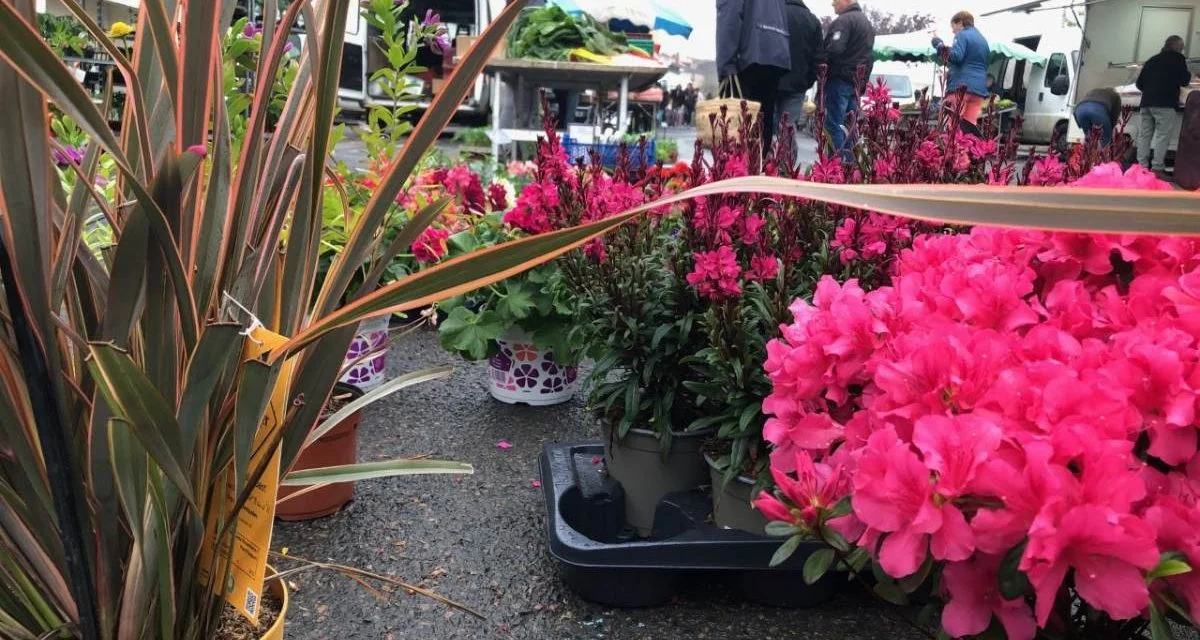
point(761, 84)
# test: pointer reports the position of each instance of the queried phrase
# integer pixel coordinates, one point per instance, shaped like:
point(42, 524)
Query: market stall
point(578, 76)
point(564, 47)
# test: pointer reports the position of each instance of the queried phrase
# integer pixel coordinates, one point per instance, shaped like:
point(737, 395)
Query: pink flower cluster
point(430, 245)
point(1011, 392)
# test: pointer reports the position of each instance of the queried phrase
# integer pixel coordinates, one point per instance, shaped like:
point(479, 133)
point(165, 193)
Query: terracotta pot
point(279, 590)
point(524, 374)
point(336, 448)
point(732, 502)
point(637, 462)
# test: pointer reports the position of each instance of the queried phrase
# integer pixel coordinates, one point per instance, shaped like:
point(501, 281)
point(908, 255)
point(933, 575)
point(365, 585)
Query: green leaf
point(132, 397)
point(1160, 629)
point(857, 559)
point(371, 470)
point(377, 394)
point(909, 584)
point(1013, 582)
point(786, 550)
point(517, 301)
point(470, 334)
point(817, 565)
point(890, 592)
point(835, 539)
point(778, 529)
point(1169, 567)
point(842, 508)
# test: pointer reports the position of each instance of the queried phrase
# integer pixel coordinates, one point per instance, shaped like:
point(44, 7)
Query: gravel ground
point(480, 539)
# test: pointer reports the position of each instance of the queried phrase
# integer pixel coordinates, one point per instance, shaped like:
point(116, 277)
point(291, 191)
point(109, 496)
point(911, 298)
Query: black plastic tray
point(603, 561)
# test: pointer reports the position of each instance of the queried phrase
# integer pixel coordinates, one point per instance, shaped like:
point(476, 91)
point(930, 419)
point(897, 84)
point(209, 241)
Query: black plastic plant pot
point(604, 560)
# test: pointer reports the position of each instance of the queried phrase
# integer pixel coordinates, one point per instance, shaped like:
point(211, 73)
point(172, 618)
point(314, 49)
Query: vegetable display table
point(565, 75)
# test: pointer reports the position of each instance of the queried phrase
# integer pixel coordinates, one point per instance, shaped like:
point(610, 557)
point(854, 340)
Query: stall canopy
point(631, 15)
point(916, 47)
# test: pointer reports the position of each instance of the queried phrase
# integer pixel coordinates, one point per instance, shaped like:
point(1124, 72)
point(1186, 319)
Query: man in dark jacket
point(1100, 108)
point(752, 45)
point(804, 31)
point(849, 50)
point(1160, 81)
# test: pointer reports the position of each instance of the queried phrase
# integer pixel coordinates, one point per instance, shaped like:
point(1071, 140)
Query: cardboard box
point(463, 43)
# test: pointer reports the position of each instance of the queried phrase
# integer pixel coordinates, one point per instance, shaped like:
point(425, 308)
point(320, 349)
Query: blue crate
point(609, 152)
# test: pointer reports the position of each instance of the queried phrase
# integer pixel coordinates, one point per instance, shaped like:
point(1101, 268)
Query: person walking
point(849, 48)
point(752, 47)
point(1161, 78)
point(689, 102)
point(1100, 108)
point(805, 43)
point(968, 59)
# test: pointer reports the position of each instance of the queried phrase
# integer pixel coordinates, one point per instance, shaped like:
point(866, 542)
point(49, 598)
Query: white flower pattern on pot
point(522, 373)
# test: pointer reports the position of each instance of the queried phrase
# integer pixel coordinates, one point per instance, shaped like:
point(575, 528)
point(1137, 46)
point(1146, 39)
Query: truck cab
point(1044, 92)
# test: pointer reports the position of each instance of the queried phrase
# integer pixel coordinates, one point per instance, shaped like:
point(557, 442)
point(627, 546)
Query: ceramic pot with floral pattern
point(365, 364)
point(524, 374)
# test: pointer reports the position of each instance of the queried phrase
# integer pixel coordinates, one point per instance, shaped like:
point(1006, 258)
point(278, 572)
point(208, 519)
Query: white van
point(1043, 92)
point(1117, 37)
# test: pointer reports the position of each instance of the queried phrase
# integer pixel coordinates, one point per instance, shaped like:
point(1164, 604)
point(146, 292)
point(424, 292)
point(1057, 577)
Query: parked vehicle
point(1044, 92)
point(1116, 38)
point(359, 60)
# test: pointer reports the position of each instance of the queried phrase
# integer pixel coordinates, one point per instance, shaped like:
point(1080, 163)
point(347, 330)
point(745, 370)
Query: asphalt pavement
point(480, 539)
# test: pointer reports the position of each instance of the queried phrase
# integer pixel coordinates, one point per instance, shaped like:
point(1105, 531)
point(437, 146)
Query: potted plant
point(638, 317)
point(524, 326)
point(1019, 462)
point(138, 428)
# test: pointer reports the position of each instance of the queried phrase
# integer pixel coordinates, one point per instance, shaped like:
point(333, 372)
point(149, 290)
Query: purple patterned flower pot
point(523, 374)
point(365, 365)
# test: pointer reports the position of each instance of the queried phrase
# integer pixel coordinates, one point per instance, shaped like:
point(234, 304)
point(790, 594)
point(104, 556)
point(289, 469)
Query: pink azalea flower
point(816, 489)
point(973, 587)
point(1108, 551)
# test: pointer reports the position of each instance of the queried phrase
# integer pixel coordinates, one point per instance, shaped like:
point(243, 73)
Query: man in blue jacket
point(850, 54)
point(968, 60)
point(805, 33)
point(752, 46)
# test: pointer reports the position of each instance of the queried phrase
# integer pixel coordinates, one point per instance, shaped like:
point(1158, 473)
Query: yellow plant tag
point(247, 551)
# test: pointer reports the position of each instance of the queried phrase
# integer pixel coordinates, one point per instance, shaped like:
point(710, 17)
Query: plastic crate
point(609, 152)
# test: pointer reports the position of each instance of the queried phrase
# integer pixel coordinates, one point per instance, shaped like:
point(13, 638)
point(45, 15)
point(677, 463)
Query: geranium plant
point(538, 303)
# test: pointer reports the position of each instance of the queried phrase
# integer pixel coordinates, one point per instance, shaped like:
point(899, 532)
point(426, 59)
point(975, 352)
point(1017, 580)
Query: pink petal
point(1017, 620)
point(954, 541)
point(504, 444)
point(1111, 585)
point(535, 483)
point(595, 459)
point(903, 552)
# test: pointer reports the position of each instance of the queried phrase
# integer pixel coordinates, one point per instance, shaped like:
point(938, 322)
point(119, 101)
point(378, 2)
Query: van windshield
point(900, 86)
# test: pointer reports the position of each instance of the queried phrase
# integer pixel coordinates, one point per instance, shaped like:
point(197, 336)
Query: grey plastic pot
point(732, 502)
point(636, 461)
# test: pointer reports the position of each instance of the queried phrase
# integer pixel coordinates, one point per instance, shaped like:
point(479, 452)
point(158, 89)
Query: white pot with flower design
point(523, 373)
point(365, 364)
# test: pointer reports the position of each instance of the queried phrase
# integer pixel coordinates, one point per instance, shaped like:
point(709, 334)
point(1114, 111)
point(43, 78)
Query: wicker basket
point(733, 104)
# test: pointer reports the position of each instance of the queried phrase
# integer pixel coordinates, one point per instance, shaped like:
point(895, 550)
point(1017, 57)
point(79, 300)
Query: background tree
point(887, 23)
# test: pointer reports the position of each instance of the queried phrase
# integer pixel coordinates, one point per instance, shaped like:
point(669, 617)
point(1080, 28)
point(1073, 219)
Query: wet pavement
point(480, 539)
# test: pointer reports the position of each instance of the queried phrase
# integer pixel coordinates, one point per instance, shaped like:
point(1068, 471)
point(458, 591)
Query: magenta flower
point(973, 586)
point(432, 19)
point(1108, 551)
point(716, 274)
point(814, 491)
point(251, 30)
point(430, 245)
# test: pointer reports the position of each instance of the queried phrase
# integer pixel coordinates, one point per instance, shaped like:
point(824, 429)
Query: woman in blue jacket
point(969, 58)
